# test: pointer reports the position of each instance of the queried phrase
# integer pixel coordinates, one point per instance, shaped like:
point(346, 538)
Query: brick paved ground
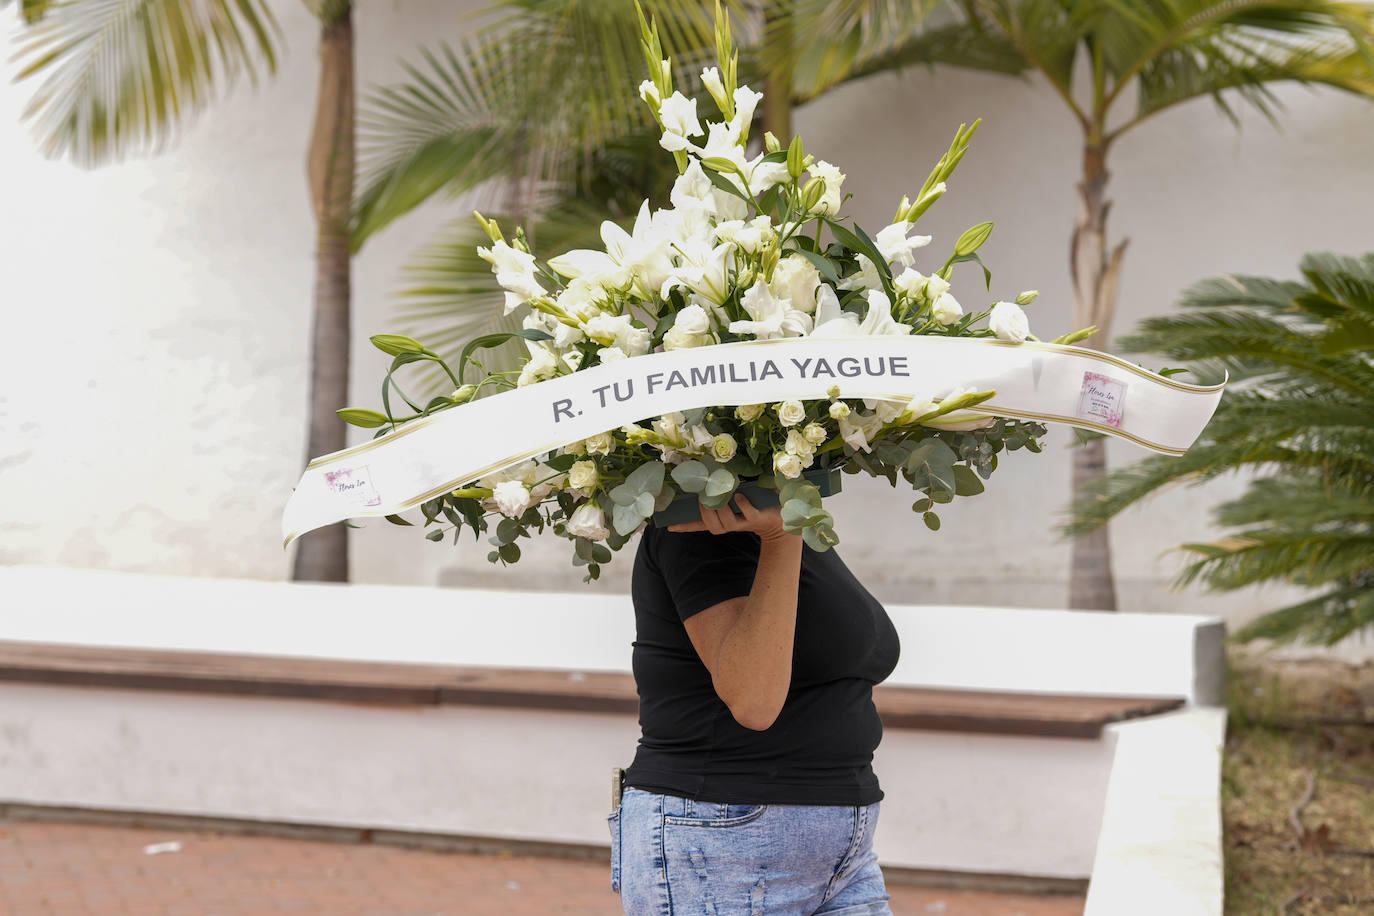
point(50, 869)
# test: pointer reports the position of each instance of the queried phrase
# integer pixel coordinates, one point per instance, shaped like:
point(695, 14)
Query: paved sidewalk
point(65, 869)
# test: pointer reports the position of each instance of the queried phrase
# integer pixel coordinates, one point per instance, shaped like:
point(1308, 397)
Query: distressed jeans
point(672, 856)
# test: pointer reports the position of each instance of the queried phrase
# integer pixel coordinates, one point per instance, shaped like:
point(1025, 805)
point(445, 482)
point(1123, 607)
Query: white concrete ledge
point(1160, 850)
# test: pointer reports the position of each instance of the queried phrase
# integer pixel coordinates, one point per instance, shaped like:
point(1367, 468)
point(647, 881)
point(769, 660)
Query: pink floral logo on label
point(1102, 399)
point(354, 485)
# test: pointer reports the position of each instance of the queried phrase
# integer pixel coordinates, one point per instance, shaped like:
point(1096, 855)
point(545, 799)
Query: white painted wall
point(152, 391)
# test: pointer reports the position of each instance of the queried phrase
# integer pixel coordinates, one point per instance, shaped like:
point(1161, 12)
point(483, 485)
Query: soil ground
point(1298, 730)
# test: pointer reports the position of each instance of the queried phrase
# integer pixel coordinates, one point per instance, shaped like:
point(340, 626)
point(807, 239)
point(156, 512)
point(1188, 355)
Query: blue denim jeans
point(672, 856)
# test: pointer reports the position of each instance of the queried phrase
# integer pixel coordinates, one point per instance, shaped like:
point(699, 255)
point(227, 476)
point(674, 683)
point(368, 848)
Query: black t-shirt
point(819, 751)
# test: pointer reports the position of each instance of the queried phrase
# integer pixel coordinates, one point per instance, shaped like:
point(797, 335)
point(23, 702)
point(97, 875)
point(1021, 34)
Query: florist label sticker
point(1102, 399)
point(354, 485)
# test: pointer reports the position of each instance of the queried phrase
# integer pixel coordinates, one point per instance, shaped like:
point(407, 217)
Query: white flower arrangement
point(739, 255)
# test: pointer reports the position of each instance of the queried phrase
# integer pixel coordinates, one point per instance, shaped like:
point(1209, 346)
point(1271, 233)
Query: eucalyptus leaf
point(625, 519)
point(647, 478)
point(966, 482)
point(720, 483)
point(691, 476)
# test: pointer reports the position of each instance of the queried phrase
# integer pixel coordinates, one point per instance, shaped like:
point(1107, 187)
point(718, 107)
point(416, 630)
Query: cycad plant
point(531, 99)
point(1299, 413)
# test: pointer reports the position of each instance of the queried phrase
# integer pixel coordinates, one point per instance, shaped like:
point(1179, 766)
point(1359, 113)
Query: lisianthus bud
point(583, 475)
point(463, 394)
point(723, 447)
point(770, 142)
point(790, 413)
point(812, 192)
point(748, 412)
point(1027, 297)
point(839, 410)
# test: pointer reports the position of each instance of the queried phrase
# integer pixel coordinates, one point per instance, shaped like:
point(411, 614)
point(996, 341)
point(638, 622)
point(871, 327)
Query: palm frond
point(122, 75)
point(1324, 620)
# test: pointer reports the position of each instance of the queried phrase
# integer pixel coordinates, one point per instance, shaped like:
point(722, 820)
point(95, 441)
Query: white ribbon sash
point(1034, 381)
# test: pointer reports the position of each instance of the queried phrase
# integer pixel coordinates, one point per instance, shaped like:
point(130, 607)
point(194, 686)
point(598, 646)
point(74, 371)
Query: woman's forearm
point(755, 657)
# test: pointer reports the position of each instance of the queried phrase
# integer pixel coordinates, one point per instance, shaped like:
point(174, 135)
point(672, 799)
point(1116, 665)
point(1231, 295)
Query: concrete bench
point(496, 716)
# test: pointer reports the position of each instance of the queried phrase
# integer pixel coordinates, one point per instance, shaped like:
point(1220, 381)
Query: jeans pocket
point(614, 822)
point(733, 816)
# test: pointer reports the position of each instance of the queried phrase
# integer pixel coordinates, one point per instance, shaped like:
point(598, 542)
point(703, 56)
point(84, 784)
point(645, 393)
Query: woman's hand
point(766, 523)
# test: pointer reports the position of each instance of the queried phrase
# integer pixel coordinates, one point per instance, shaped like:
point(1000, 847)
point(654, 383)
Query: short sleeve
point(701, 569)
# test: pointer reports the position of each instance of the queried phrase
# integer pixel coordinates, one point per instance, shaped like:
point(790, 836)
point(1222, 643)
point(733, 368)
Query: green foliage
point(1300, 414)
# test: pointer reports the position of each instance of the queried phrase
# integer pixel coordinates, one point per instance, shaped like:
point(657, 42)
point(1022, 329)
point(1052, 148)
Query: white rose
point(600, 444)
point(610, 355)
point(791, 413)
point(583, 475)
point(512, 498)
point(691, 328)
point(815, 433)
point(947, 309)
point(542, 364)
point(839, 410)
point(798, 445)
point(1008, 322)
point(588, 521)
point(936, 286)
point(787, 464)
point(723, 447)
point(748, 412)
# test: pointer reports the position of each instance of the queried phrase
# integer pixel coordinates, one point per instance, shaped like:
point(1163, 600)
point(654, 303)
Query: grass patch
point(1271, 748)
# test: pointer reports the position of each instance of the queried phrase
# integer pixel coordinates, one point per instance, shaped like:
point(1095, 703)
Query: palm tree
point(1300, 413)
point(462, 120)
point(120, 77)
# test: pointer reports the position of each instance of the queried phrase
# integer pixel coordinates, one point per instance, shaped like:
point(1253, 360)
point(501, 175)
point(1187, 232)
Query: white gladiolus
point(947, 309)
point(866, 277)
point(649, 93)
point(831, 320)
point(746, 100)
point(514, 271)
point(790, 413)
point(588, 521)
point(896, 247)
point(879, 320)
point(710, 78)
point(512, 498)
point(542, 364)
point(1008, 322)
point(787, 464)
point(679, 116)
point(772, 317)
point(723, 447)
point(583, 475)
point(618, 331)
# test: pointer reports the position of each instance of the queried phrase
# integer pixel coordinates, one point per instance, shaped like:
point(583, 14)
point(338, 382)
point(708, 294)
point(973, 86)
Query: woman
point(752, 789)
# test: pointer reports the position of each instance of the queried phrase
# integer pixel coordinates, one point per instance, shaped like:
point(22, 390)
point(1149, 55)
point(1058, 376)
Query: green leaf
point(435, 535)
point(796, 513)
point(361, 416)
point(932, 521)
point(966, 482)
point(820, 538)
point(987, 274)
point(509, 552)
point(562, 463)
point(601, 554)
point(824, 265)
point(647, 478)
point(507, 530)
point(720, 483)
point(691, 476)
point(487, 341)
point(863, 245)
point(625, 518)
point(1084, 436)
point(397, 520)
point(644, 504)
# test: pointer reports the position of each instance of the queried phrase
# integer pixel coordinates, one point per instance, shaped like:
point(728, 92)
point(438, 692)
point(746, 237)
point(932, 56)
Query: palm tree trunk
point(777, 81)
point(1095, 279)
point(323, 555)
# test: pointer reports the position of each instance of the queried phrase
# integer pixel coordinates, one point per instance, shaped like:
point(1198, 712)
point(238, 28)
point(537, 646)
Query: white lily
point(772, 317)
